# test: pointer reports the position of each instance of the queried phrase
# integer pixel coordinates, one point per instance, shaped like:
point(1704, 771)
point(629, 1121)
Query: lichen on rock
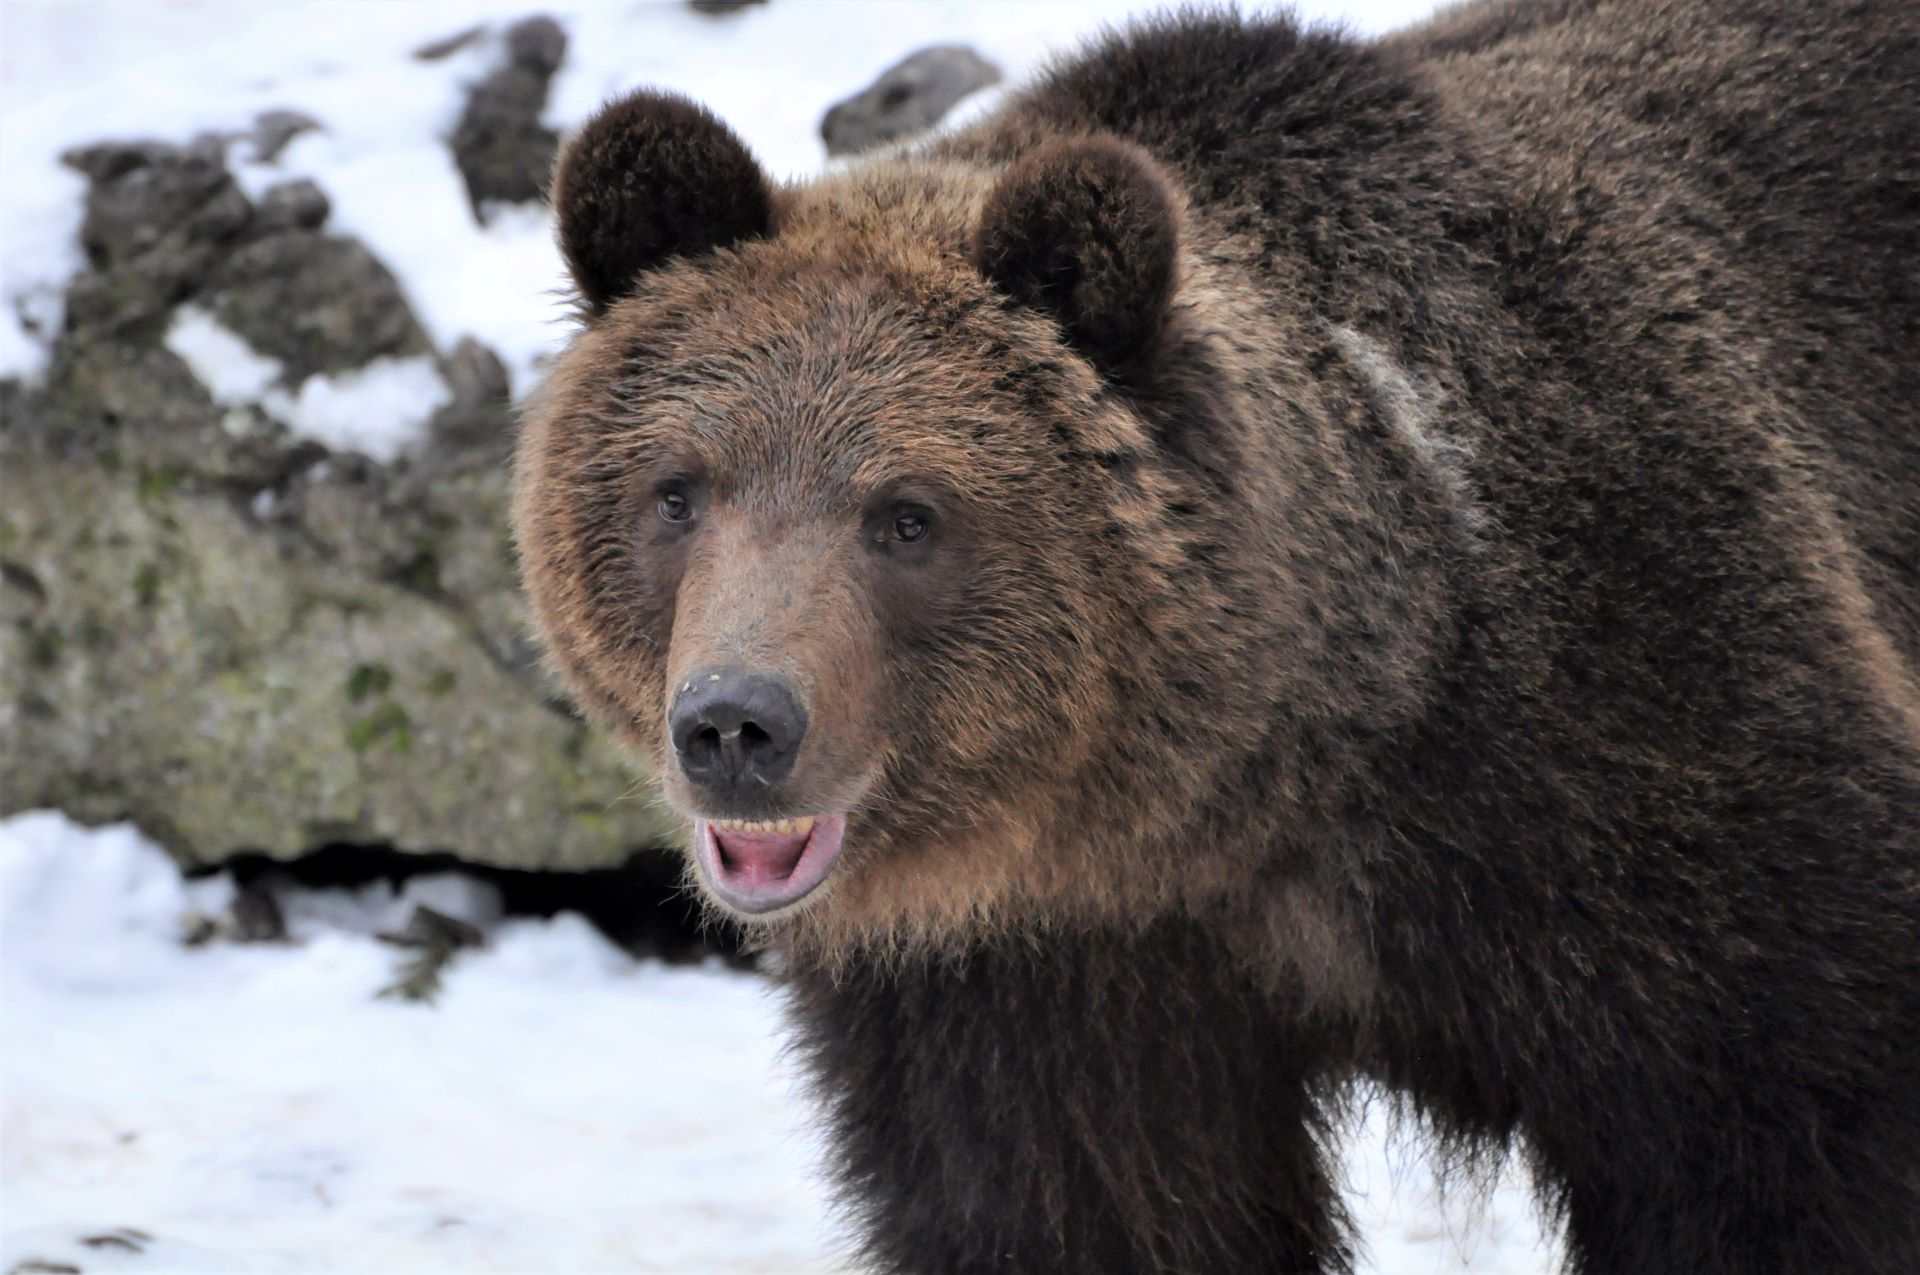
point(244, 639)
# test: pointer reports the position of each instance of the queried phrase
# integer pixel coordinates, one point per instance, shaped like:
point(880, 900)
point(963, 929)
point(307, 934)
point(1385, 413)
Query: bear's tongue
point(758, 861)
point(763, 867)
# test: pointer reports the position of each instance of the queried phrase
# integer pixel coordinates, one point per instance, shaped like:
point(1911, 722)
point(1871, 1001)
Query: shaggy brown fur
point(1423, 583)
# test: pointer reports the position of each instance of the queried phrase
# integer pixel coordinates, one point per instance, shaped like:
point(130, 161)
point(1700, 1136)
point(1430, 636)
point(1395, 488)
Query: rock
point(272, 130)
point(910, 96)
point(234, 638)
point(22, 416)
point(145, 194)
point(295, 205)
point(537, 45)
point(158, 217)
point(504, 153)
point(447, 46)
point(105, 162)
point(257, 917)
point(163, 660)
point(480, 417)
point(139, 294)
point(316, 302)
point(476, 375)
point(138, 407)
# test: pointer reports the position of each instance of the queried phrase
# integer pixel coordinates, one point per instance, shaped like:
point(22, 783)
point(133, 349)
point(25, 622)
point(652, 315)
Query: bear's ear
point(652, 176)
point(1086, 229)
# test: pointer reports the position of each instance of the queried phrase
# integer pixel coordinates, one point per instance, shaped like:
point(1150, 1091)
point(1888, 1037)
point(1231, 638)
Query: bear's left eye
point(675, 507)
point(902, 529)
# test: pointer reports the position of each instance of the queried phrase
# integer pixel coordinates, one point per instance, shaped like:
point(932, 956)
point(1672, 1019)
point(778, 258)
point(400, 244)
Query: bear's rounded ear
point(652, 176)
point(1088, 230)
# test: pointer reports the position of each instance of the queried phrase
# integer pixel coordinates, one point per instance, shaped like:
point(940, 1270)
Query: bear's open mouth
point(762, 866)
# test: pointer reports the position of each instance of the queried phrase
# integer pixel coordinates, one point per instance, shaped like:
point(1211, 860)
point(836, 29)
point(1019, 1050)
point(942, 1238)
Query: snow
point(1414, 1223)
point(255, 1107)
point(233, 371)
point(561, 1107)
point(376, 410)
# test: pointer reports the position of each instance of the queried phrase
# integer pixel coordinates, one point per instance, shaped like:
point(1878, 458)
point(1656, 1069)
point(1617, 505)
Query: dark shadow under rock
point(642, 903)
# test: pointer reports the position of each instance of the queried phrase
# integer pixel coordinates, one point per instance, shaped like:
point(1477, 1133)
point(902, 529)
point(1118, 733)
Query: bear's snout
point(736, 733)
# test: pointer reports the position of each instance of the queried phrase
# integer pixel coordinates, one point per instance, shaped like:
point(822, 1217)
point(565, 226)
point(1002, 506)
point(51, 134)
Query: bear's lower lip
point(757, 869)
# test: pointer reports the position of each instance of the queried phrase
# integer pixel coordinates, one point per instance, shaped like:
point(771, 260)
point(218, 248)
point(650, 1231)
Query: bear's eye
point(675, 507)
point(902, 529)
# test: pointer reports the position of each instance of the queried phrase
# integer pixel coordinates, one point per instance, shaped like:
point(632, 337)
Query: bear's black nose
point(736, 732)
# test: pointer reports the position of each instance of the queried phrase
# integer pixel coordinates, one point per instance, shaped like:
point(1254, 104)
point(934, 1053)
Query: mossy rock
point(167, 657)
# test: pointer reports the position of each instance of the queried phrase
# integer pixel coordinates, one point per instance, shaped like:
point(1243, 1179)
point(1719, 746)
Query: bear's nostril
point(754, 740)
point(736, 733)
point(702, 748)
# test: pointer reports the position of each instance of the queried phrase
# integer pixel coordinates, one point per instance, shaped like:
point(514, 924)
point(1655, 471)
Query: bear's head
point(908, 522)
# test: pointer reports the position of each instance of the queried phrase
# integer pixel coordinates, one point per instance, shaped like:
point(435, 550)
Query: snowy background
point(563, 1107)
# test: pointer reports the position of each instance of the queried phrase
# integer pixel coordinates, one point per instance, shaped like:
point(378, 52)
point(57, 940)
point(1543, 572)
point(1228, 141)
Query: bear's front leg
point(1106, 1104)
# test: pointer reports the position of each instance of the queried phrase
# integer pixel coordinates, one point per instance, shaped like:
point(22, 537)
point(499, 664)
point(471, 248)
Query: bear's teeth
point(782, 827)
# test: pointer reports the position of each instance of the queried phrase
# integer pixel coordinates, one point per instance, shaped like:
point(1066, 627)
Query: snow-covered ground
point(258, 1108)
point(561, 1107)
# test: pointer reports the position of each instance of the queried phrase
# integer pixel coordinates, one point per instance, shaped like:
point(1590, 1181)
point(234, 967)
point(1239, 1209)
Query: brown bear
point(1273, 560)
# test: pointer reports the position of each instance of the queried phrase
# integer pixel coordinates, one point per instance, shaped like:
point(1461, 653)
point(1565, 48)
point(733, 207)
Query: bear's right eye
point(675, 507)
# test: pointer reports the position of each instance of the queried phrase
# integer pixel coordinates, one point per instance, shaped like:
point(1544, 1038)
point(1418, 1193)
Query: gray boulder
point(273, 130)
point(447, 46)
point(909, 97)
point(241, 640)
point(316, 302)
point(504, 153)
point(295, 205)
point(158, 218)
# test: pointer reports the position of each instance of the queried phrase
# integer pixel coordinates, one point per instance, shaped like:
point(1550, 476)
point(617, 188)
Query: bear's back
point(1718, 198)
point(1785, 139)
